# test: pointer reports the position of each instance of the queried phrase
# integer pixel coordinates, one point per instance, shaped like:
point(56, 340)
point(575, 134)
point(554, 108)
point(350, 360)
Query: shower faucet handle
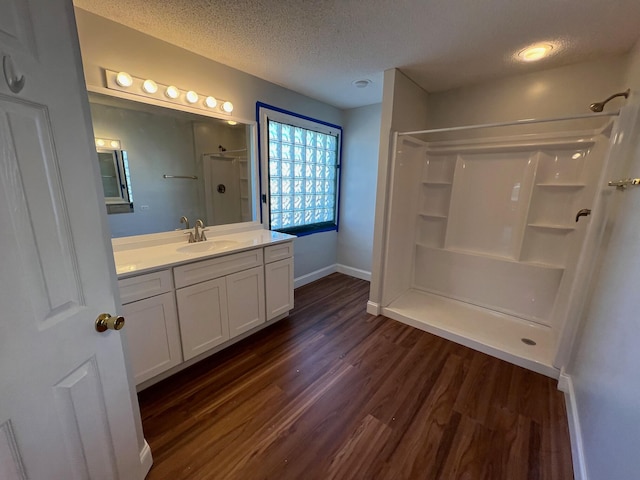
point(583, 213)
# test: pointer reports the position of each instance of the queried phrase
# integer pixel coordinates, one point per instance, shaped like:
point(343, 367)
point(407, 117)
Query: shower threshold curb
point(403, 311)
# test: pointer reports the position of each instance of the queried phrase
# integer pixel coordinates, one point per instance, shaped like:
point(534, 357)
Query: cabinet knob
point(106, 322)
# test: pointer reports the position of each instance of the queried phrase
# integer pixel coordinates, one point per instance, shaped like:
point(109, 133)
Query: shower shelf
point(432, 215)
point(550, 226)
point(568, 186)
point(551, 266)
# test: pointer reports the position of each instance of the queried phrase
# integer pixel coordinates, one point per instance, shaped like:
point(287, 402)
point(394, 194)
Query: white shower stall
point(490, 230)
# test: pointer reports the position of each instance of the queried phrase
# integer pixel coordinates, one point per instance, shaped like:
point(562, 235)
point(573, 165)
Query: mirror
point(114, 172)
point(171, 163)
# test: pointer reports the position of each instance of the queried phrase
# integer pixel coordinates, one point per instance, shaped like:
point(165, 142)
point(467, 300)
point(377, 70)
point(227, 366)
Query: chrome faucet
point(197, 234)
point(200, 236)
point(185, 220)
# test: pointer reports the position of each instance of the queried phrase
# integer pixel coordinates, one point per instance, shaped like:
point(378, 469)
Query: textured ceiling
point(319, 47)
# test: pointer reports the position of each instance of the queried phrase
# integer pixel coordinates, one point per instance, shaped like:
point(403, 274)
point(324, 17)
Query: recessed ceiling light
point(232, 123)
point(364, 83)
point(535, 52)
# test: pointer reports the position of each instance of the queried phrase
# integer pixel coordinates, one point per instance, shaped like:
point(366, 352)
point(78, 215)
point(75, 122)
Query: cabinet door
point(203, 316)
point(245, 294)
point(279, 287)
point(152, 335)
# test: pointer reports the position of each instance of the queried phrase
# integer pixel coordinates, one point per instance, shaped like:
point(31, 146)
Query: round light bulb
point(99, 142)
point(227, 107)
point(191, 96)
point(172, 92)
point(150, 86)
point(124, 79)
point(535, 52)
point(210, 102)
point(115, 144)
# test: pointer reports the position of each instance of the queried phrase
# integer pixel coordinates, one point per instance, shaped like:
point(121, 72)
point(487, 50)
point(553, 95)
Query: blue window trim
point(260, 105)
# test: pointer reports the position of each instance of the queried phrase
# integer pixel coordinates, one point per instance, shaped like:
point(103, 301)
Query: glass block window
point(303, 168)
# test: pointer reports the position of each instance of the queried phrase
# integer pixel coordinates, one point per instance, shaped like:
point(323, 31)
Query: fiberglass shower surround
point(482, 244)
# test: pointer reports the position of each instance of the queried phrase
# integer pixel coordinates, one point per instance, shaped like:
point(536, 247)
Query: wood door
point(245, 296)
point(67, 408)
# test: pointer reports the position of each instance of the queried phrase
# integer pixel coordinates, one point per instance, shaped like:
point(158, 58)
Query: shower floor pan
point(489, 332)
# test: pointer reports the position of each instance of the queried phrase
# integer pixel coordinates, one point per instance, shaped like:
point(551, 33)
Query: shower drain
point(528, 341)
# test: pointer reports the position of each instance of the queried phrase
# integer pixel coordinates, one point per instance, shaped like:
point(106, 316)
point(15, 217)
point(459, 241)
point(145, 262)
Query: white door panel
point(67, 408)
point(11, 466)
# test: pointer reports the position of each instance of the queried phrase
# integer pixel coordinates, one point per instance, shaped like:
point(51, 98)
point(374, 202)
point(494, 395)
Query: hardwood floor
point(334, 393)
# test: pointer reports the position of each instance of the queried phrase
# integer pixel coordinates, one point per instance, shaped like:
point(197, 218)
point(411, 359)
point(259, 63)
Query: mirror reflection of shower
point(226, 186)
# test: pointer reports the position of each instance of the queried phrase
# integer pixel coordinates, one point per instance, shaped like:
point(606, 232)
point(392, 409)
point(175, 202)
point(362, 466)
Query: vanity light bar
point(108, 143)
point(145, 87)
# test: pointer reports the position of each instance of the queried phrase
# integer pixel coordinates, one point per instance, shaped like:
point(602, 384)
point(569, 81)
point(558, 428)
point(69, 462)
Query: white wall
point(106, 44)
point(555, 92)
point(604, 370)
point(404, 107)
point(361, 141)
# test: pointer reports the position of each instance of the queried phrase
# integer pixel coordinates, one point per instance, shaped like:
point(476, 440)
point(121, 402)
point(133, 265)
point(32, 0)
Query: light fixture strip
point(108, 143)
point(185, 97)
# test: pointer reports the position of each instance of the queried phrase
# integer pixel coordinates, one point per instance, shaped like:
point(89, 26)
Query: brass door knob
point(106, 322)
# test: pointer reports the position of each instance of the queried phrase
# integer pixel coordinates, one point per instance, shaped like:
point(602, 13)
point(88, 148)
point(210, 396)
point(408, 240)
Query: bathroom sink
point(209, 245)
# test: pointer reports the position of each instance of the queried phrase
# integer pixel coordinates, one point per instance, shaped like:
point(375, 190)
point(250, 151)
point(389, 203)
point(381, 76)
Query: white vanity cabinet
point(152, 332)
point(278, 271)
point(175, 317)
point(227, 300)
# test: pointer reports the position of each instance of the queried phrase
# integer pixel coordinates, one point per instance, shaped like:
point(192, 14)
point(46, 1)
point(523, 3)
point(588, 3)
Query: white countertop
point(146, 253)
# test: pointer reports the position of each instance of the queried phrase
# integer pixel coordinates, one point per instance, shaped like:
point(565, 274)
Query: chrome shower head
point(599, 106)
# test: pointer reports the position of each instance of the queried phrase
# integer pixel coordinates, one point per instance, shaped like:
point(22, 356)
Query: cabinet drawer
point(216, 267)
point(144, 286)
point(278, 252)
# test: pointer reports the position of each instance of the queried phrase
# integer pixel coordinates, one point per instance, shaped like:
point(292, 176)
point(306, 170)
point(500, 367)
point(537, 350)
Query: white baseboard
point(373, 308)
point(565, 385)
point(354, 272)
point(146, 460)
point(315, 275)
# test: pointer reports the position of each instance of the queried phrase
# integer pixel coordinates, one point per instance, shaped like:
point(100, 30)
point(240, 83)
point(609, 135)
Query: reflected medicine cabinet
point(114, 173)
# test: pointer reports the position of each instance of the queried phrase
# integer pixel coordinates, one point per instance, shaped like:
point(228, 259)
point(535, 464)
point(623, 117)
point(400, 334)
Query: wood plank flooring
point(334, 393)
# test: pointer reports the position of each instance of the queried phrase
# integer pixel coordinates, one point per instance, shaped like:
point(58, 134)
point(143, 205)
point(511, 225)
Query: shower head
point(599, 106)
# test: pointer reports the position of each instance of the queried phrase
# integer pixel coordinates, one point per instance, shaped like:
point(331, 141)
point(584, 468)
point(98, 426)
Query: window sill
point(308, 229)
